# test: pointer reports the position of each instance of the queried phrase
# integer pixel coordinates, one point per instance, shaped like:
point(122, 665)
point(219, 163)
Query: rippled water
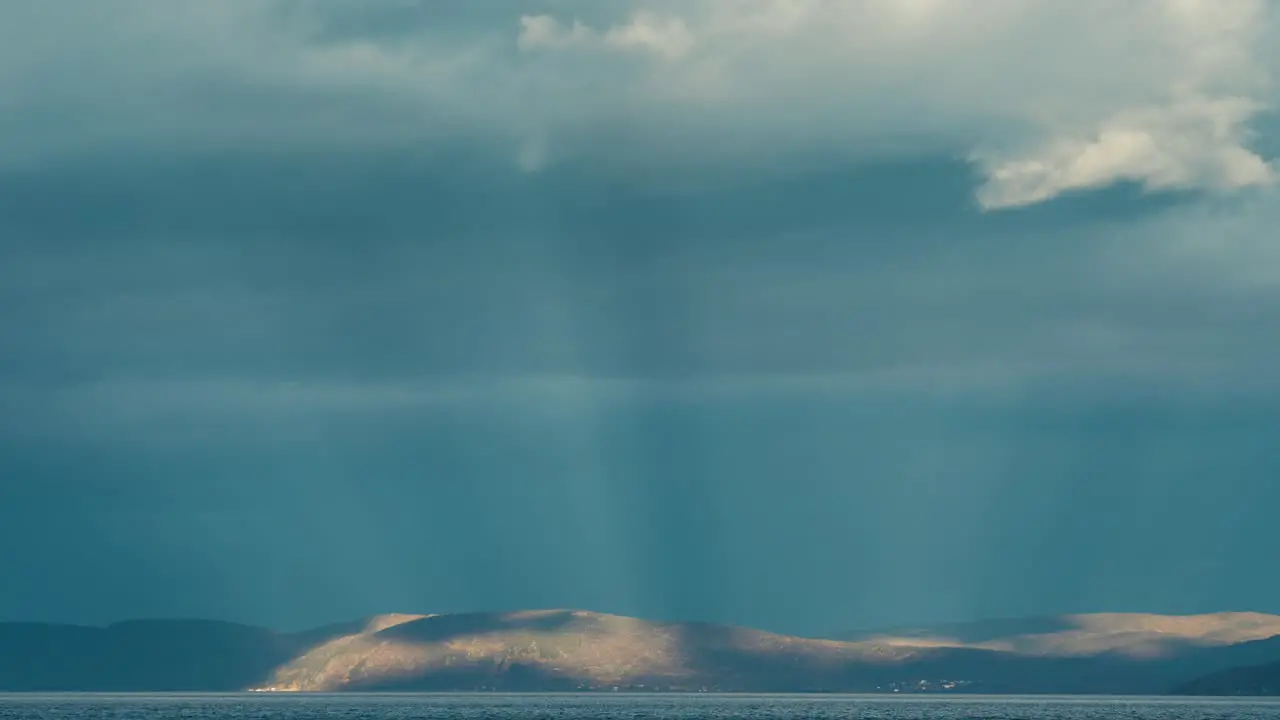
point(630, 707)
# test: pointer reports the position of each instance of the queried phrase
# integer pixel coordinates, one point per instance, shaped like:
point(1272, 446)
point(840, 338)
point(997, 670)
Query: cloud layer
point(1044, 98)
point(379, 304)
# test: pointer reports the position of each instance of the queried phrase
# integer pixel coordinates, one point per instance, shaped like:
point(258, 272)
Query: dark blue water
point(629, 707)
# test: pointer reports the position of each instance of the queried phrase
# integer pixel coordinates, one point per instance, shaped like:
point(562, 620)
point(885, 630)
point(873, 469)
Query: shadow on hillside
point(509, 677)
point(726, 659)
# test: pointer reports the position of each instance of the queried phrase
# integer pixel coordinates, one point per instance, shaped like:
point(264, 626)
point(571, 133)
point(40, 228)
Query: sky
point(799, 314)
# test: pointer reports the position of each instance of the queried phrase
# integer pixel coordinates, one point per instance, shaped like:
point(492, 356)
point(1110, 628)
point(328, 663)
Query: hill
point(1137, 635)
point(143, 655)
point(1247, 680)
point(543, 650)
point(576, 650)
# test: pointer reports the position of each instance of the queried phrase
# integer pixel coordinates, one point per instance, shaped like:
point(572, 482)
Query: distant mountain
point(139, 655)
point(1252, 681)
point(1247, 680)
point(1137, 635)
point(576, 650)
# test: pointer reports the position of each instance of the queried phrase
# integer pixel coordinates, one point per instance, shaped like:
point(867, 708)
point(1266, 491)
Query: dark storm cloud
point(313, 310)
point(401, 386)
point(367, 271)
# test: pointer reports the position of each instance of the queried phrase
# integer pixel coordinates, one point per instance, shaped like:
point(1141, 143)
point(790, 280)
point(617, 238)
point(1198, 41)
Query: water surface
point(628, 707)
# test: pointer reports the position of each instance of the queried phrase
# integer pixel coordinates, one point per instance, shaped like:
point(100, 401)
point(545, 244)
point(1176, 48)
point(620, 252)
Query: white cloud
point(666, 37)
point(1044, 97)
point(1050, 97)
point(1195, 144)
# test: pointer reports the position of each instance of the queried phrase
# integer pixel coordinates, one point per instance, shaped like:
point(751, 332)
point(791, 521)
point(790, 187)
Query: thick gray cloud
point(1043, 99)
point(311, 310)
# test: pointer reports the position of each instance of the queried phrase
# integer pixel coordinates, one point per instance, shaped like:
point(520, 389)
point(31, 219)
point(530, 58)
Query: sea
point(621, 706)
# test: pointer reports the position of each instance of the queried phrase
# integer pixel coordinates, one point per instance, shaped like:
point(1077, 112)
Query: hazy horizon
point(803, 316)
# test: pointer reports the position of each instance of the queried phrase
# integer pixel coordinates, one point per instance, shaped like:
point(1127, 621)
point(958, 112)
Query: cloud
point(667, 37)
point(1044, 98)
point(123, 337)
point(257, 261)
point(1195, 144)
point(1051, 97)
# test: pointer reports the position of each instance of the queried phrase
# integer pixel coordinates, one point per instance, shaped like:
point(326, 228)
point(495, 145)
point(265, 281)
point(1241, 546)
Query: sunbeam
point(760, 346)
